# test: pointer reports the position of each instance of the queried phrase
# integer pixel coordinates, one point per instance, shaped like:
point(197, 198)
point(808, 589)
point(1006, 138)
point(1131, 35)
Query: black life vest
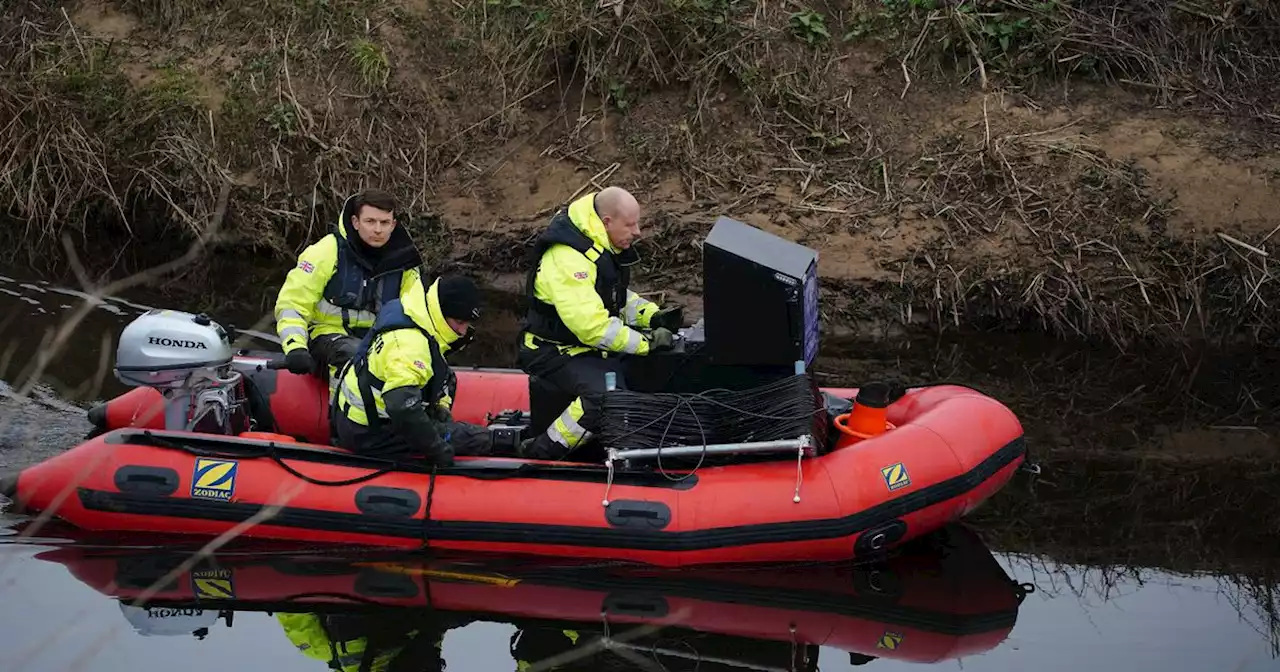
point(613, 275)
point(392, 318)
point(353, 287)
point(360, 283)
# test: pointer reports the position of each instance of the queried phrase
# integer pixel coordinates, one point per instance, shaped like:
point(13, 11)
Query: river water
point(1146, 543)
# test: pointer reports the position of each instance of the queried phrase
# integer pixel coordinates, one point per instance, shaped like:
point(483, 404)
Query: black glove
point(661, 339)
point(300, 361)
point(671, 317)
point(440, 414)
point(411, 419)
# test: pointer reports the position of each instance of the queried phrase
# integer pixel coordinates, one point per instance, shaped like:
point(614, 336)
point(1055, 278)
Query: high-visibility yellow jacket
point(307, 632)
point(336, 288)
point(406, 349)
point(577, 288)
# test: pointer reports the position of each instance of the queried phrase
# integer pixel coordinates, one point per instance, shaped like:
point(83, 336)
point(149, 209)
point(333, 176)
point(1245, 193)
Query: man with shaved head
point(582, 317)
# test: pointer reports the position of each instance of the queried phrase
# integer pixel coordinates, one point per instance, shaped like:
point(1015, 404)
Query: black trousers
point(583, 377)
point(467, 440)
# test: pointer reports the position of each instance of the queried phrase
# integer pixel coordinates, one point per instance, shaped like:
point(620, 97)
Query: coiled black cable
point(778, 410)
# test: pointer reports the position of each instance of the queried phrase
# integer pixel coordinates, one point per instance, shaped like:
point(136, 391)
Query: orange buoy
point(869, 416)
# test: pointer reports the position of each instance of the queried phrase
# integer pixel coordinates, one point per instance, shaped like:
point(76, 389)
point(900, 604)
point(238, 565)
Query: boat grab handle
point(638, 514)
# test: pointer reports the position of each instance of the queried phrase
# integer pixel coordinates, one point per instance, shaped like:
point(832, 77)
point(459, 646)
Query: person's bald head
point(620, 212)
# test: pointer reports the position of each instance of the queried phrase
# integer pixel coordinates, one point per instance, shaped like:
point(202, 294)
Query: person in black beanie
point(394, 397)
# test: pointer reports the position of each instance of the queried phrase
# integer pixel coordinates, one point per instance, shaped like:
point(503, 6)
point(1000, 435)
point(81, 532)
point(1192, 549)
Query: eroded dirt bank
point(1095, 169)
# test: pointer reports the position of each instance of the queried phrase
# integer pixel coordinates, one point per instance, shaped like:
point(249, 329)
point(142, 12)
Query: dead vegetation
point(1035, 228)
point(114, 156)
point(300, 102)
point(1044, 228)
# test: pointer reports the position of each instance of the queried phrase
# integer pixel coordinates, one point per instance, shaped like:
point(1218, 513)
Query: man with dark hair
point(332, 296)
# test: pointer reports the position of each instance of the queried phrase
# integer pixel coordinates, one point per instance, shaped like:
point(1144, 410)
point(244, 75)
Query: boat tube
point(942, 451)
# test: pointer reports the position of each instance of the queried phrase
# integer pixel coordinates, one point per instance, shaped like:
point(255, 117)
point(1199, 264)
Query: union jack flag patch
point(418, 363)
point(581, 275)
point(306, 266)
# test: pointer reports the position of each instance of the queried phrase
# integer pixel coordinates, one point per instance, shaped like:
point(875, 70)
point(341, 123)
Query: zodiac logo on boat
point(214, 479)
point(212, 584)
point(889, 640)
point(896, 476)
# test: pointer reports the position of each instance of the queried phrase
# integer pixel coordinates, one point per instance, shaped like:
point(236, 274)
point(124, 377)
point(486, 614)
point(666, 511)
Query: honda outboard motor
point(188, 359)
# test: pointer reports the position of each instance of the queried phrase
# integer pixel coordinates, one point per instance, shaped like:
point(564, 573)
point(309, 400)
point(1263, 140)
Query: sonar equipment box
point(760, 298)
point(759, 316)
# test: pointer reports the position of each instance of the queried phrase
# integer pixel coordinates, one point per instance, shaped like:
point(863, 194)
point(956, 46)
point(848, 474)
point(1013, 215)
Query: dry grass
point(1041, 227)
point(323, 98)
point(141, 160)
point(1082, 248)
point(87, 152)
point(1218, 53)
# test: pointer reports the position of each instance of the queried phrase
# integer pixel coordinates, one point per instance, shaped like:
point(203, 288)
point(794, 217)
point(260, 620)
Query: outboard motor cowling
point(188, 358)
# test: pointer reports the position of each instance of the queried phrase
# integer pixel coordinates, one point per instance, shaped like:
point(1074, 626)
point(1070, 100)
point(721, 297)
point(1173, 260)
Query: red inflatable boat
point(943, 597)
point(949, 449)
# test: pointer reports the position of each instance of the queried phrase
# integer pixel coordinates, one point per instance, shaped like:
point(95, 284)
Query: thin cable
point(782, 409)
point(701, 456)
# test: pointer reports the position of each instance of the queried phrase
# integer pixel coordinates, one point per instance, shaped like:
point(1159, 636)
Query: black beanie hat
point(459, 298)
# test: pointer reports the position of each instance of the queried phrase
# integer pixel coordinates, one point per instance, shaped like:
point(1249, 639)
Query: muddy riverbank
point(1074, 171)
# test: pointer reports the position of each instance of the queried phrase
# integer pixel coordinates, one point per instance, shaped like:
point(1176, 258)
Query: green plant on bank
point(371, 61)
point(618, 96)
point(173, 90)
point(810, 26)
point(283, 118)
point(1017, 38)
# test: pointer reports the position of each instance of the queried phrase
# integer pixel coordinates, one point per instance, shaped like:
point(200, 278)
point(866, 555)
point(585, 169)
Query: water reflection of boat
point(945, 596)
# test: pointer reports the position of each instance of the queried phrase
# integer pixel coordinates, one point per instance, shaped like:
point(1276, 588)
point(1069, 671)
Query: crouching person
point(395, 395)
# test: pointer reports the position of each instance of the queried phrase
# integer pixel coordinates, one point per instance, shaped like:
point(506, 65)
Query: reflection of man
point(384, 642)
point(551, 648)
point(548, 647)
